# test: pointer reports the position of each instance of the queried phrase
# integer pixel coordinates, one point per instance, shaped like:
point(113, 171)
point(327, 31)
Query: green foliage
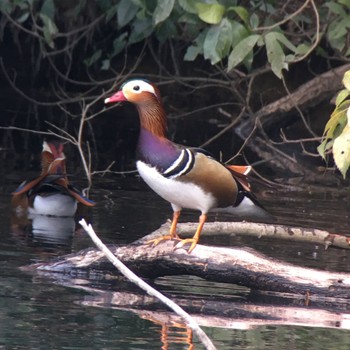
point(225, 32)
point(337, 130)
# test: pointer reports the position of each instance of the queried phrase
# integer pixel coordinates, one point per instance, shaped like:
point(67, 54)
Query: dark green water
point(39, 312)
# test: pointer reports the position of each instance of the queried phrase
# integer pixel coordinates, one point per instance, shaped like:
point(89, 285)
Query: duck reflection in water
point(49, 202)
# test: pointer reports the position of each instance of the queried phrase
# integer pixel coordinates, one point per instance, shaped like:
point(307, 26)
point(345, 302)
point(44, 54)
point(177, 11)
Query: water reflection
point(110, 314)
point(52, 229)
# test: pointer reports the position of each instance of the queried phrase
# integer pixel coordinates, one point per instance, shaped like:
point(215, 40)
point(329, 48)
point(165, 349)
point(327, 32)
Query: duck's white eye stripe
point(138, 86)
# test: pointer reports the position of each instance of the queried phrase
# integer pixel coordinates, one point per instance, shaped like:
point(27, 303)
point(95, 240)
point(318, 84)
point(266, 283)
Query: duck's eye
point(136, 88)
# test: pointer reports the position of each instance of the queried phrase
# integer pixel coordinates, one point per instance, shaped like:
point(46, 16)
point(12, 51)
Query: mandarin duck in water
point(186, 177)
point(50, 193)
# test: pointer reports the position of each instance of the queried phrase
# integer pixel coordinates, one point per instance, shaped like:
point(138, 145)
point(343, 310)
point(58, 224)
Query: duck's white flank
point(179, 194)
point(54, 205)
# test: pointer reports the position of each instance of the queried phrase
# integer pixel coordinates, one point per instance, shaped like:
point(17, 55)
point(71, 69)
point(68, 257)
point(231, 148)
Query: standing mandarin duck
point(186, 177)
point(50, 193)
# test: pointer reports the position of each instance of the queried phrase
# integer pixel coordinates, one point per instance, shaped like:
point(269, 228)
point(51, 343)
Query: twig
point(147, 288)
point(228, 127)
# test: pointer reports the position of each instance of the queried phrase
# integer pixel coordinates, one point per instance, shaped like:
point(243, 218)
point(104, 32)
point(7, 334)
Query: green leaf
point(106, 64)
point(341, 151)
point(194, 50)
point(210, 13)
point(48, 9)
point(238, 32)
point(23, 17)
point(49, 29)
point(254, 21)
point(335, 8)
point(342, 96)
point(283, 39)
point(218, 40)
point(92, 59)
point(166, 30)
point(241, 12)
point(346, 80)
point(110, 13)
point(189, 5)
point(275, 54)
point(162, 11)
point(346, 3)
point(141, 29)
point(337, 120)
point(241, 50)
point(119, 44)
point(324, 147)
point(126, 11)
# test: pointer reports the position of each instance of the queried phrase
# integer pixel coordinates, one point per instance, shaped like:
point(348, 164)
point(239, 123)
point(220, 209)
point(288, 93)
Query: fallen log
point(276, 231)
point(230, 265)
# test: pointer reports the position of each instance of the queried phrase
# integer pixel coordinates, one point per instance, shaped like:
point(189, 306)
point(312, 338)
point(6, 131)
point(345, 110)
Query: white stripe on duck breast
point(183, 176)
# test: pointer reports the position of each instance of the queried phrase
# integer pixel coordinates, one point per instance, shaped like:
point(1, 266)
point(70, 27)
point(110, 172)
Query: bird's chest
point(179, 194)
point(155, 151)
point(55, 205)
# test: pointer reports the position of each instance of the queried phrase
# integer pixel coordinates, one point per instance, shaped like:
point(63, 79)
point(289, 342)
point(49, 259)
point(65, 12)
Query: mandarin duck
point(50, 193)
point(184, 176)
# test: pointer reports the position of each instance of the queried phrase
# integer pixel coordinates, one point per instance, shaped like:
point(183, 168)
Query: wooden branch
point(132, 277)
point(259, 230)
point(231, 265)
point(305, 96)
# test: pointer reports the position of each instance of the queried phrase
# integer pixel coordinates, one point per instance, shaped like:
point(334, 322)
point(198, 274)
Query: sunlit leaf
point(346, 80)
point(241, 50)
point(275, 54)
point(324, 147)
point(342, 95)
point(210, 13)
point(338, 117)
point(162, 10)
point(341, 151)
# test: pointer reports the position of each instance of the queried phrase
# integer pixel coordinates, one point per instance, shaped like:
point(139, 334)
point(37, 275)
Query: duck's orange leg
point(194, 240)
point(172, 233)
